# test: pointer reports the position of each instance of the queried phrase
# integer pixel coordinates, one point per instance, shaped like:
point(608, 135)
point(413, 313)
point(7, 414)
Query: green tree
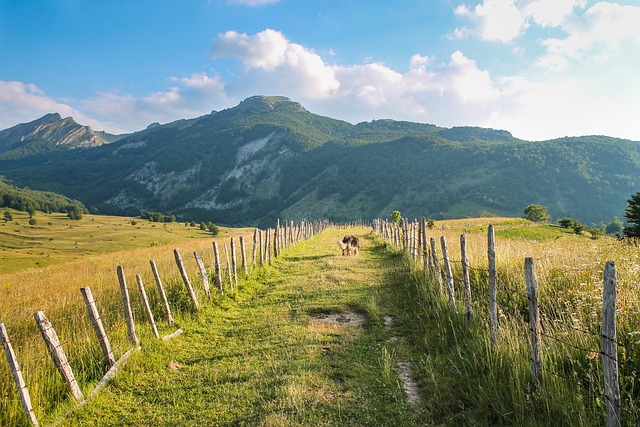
point(33, 221)
point(567, 222)
point(632, 214)
point(615, 226)
point(536, 213)
point(7, 216)
point(396, 216)
point(74, 212)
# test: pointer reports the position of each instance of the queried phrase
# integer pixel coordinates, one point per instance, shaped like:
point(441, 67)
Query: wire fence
point(72, 347)
point(513, 301)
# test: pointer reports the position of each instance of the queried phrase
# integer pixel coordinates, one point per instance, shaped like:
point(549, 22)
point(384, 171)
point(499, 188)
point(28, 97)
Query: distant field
point(56, 238)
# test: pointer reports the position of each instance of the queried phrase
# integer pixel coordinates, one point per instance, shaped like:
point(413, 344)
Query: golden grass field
point(44, 266)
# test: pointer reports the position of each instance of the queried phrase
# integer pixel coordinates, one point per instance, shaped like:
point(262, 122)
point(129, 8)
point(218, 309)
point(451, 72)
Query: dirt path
point(304, 342)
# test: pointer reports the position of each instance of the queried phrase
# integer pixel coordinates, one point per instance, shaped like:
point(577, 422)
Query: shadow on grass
point(309, 258)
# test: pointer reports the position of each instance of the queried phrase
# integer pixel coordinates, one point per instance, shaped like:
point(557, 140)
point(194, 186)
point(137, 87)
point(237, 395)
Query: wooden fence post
point(17, 376)
point(254, 251)
point(57, 354)
point(436, 264)
point(147, 307)
point(243, 251)
point(185, 278)
point(203, 273)
point(610, 346)
point(226, 254)
point(465, 277)
point(163, 295)
point(98, 327)
point(448, 273)
point(493, 302)
point(126, 300)
point(261, 237)
point(534, 322)
point(234, 263)
point(423, 243)
point(217, 266)
point(276, 240)
point(267, 245)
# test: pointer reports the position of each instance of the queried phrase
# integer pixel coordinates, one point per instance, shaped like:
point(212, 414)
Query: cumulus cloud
point(505, 20)
point(268, 57)
point(494, 20)
point(23, 102)
point(605, 31)
point(551, 12)
point(188, 97)
point(451, 91)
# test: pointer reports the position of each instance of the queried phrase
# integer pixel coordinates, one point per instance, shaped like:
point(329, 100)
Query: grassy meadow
point(262, 355)
point(472, 381)
point(86, 253)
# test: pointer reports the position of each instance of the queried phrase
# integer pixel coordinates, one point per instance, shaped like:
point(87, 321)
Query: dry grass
point(55, 290)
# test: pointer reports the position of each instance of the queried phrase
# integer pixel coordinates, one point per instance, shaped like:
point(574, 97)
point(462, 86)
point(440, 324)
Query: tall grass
point(472, 381)
point(55, 290)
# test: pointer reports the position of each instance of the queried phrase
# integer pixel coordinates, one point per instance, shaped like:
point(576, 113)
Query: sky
point(541, 69)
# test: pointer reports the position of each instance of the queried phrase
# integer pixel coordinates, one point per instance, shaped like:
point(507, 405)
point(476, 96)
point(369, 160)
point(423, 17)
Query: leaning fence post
point(465, 277)
point(493, 302)
point(448, 273)
point(226, 253)
point(17, 376)
point(243, 251)
point(163, 295)
point(234, 263)
point(147, 307)
point(610, 346)
point(128, 314)
point(254, 250)
point(57, 353)
point(96, 321)
point(436, 263)
point(534, 321)
point(185, 278)
point(216, 255)
point(203, 273)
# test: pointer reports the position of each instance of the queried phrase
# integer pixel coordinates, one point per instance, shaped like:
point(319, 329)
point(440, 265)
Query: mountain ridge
point(270, 157)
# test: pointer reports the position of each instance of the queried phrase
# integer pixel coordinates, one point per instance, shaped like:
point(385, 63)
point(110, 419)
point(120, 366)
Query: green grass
point(57, 239)
point(539, 233)
point(266, 356)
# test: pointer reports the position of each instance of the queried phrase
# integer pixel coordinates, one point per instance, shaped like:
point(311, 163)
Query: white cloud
point(21, 103)
point(505, 20)
point(285, 67)
point(495, 20)
point(191, 96)
point(551, 12)
point(604, 32)
point(456, 91)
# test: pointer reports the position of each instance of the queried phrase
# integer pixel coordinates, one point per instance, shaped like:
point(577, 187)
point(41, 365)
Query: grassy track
point(270, 356)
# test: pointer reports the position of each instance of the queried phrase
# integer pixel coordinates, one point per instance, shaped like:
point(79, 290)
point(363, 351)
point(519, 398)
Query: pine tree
point(632, 214)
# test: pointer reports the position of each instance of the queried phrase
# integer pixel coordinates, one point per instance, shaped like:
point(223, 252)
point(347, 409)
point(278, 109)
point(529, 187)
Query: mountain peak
point(48, 118)
point(260, 102)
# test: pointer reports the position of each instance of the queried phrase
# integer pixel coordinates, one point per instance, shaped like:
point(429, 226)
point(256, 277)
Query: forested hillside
point(269, 157)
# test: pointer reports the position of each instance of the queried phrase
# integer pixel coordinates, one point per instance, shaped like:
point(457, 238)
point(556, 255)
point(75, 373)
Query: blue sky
point(539, 68)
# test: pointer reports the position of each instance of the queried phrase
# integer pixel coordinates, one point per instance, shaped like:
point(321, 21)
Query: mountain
point(49, 133)
point(269, 157)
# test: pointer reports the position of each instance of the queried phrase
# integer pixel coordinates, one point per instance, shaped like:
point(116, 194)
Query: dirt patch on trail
point(347, 318)
point(404, 369)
